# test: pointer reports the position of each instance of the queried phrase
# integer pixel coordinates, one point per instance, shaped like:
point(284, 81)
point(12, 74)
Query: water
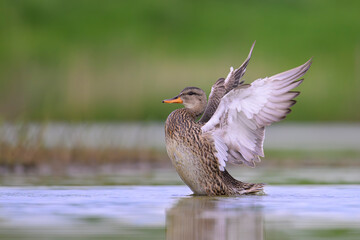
point(170, 212)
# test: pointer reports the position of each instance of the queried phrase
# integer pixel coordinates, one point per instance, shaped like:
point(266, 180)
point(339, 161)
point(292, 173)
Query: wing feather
point(233, 78)
point(284, 97)
point(223, 86)
point(243, 113)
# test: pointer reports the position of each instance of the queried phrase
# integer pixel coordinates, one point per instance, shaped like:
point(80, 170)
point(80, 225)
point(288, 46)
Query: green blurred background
point(116, 60)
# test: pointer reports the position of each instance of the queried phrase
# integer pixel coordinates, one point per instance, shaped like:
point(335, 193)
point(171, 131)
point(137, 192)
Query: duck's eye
point(191, 93)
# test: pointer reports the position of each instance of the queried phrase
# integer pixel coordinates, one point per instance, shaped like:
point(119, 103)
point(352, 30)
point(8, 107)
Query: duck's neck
point(197, 110)
point(181, 116)
point(193, 113)
point(186, 113)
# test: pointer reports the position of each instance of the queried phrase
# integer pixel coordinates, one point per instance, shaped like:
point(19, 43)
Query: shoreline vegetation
point(63, 149)
point(22, 166)
point(23, 159)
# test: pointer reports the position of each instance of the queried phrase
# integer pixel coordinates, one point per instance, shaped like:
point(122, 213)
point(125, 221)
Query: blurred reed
point(58, 147)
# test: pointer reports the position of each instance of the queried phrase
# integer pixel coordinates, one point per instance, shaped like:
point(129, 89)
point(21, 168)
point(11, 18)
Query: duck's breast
point(183, 145)
point(187, 164)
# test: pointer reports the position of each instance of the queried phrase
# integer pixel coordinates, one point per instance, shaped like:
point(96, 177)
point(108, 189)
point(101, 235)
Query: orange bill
point(173, 100)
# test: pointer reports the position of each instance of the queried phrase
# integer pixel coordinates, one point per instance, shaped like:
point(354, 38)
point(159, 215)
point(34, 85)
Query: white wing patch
point(229, 75)
point(221, 153)
point(238, 125)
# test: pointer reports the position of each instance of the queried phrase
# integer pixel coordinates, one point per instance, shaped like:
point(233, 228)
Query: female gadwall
point(231, 129)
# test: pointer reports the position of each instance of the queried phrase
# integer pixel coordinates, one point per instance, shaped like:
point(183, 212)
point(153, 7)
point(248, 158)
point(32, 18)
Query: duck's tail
point(243, 187)
point(252, 188)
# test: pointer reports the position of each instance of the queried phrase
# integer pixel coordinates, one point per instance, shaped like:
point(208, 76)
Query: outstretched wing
point(223, 86)
point(238, 125)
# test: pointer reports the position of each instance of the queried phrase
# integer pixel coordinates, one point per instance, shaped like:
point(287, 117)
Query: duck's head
point(193, 98)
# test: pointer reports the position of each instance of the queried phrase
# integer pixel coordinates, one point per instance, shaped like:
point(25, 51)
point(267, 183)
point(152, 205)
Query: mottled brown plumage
point(193, 154)
point(193, 157)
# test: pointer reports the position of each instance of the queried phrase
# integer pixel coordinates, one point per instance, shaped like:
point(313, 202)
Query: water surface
point(170, 212)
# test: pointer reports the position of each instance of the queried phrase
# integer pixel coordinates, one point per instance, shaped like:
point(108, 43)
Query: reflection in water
point(211, 218)
point(138, 212)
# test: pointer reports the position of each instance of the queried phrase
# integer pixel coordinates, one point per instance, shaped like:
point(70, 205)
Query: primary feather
point(223, 86)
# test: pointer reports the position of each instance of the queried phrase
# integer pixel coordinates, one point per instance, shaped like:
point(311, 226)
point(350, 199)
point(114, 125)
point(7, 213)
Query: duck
point(204, 136)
